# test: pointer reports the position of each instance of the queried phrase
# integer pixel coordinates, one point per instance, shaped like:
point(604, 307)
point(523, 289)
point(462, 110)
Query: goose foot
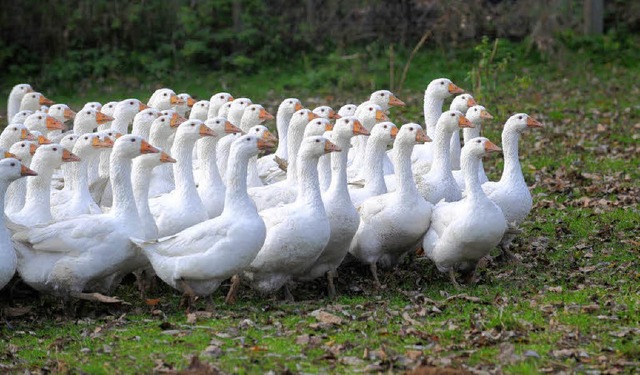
point(452, 277)
point(331, 288)
point(374, 272)
point(287, 293)
point(96, 297)
point(188, 297)
point(230, 299)
point(505, 255)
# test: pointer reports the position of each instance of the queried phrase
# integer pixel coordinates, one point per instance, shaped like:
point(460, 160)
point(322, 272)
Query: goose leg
point(330, 285)
point(230, 299)
point(374, 272)
point(188, 296)
point(287, 293)
point(452, 277)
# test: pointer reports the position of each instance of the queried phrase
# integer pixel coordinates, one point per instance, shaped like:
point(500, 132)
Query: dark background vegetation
point(82, 43)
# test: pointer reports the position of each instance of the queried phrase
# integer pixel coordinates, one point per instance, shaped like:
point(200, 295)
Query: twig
point(391, 67)
point(424, 38)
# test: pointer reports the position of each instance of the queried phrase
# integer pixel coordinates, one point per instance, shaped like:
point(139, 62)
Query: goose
point(62, 113)
point(391, 224)
point(381, 135)
point(199, 258)
point(368, 115)
point(10, 170)
point(20, 117)
point(511, 193)
point(33, 100)
point(185, 106)
point(162, 129)
point(343, 217)
point(182, 207)
point(285, 191)
point(475, 114)
point(163, 99)
point(257, 130)
point(268, 168)
point(439, 183)
point(322, 127)
point(15, 98)
point(16, 192)
point(436, 92)
point(463, 232)
point(234, 111)
point(224, 110)
point(297, 232)
point(253, 115)
point(64, 177)
point(88, 120)
point(79, 201)
point(42, 123)
point(199, 110)
point(142, 122)
point(460, 103)
point(92, 105)
point(67, 256)
point(347, 110)
point(109, 110)
point(327, 112)
point(211, 188)
point(13, 133)
point(37, 206)
point(216, 102)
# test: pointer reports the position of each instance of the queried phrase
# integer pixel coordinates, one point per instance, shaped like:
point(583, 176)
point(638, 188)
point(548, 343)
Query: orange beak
point(118, 135)
point(328, 127)
point(166, 158)
point(206, 131)
point(230, 98)
point(68, 114)
point(422, 137)
point(24, 171)
point(68, 156)
point(45, 101)
point(490, 147)
point(101, 118)
point(229, 128)
point(358, 129)
point(453, 89)
point(298, 107)
point(312, 116)
point(395, 102)
point(97, 143)
point(533, 123)
point(32, 148)
point(394, 132)
point(380, 116)
point(334, 115)
point(267, 141)
point(25, 134)
point(471, 102)
point(485, 114)
point(175, 100)
point(142, 106)
point(267, 136)
point(331, 147)
point(190, 102)
point(53, 124)
point(30, 89)
point(8, 154)
point(264, 115)
point(146, 148)
point(176, 120)
point(42, 140)
point(464, 122)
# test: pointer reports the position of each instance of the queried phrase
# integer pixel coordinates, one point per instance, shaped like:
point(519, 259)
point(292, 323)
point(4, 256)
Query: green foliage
point(485, 75)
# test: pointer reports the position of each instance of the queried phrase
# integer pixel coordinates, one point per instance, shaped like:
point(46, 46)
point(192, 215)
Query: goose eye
point(257, 130)
point(39, 117)
point(290, 102)
point(411, 129)
point(15, 128)
point(519, 117)
point(371, 109)
point(253, 109)
point(248, 139)
point(33, 96)
point(317, 141)
point(221, 96)
point(162, 120)
point(475, 110)
point(55, 149)
point(165, 94)
point(442, 83)
point(381, 94)
point(71, 138)
point(86, 138)
point(88, 112)
point(133, 139)
point(478, 141)
point(130, 103)
point(193, 124)
point(385, 126)
point(13, 164)
point(22, 145)
point(453, 115)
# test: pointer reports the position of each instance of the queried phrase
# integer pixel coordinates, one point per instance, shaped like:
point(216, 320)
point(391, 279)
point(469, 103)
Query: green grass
point(570, 304)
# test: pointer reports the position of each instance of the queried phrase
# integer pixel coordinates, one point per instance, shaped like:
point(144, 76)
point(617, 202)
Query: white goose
point(182, 207)
point(13, 133)
point(233, 112)
point(475, 114)
point(391, 224)
point(162, 130)
point(92, 105)
point(460, 103)
point(62, 113)
point(10, 170)
point(368, 114)
point(184, 108)
point(199, 258)
point(65, 177)
point(511, 193)
point(108, 109)
point(224, 110)
point(199, 110)
point(296, 232)
point(347, 110)
point(216, 102)
point(33, 100)
point(439, 183)
point(163, 99)
point(15, 98)
point(16, 192)
point(253, 115)
point(324, 111)
point(463, 232)
point(42, 123)
point(142, 122)
point(343, 217)
point(20, 117)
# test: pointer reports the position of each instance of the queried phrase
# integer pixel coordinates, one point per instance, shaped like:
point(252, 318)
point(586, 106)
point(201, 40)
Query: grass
point(570, 304)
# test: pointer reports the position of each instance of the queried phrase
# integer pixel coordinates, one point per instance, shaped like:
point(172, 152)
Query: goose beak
point(422, 137)
point(176, 120)
point(53, 124)
point(394, 132)
point(358, 129)
point(44, 101)
point(464, 122)
point(30, 89)
point(24, 171)
point(328, 127)
point(229, 128)
point(491, 147)
point(206, 131)
point(485, 114)
point(533, 123)
point(395, 102)
point(453, 89)
point(42, 140)
point(118, 135)
point(146, 148)
point(264, 115)
point(175, 100)
point(101, 118)
point(25, 134)
point(32, 148)
point(8, 154)
point(106, 143)
point(298, 107)
point(268, 136)
point(380, 116)
point(334, 115)
point(230, 98)
point(190, 102)
point(471, 102)
point(166, 158)
point(312, 116)
point(330, 147)
point(142, 106)
point(267, 141)
point(69, 114)
point(68, 156)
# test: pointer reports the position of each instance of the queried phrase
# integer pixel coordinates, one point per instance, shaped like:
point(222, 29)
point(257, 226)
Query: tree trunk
point(593, 17)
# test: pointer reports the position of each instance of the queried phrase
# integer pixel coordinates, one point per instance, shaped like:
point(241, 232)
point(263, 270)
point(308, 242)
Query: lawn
point(570, 304)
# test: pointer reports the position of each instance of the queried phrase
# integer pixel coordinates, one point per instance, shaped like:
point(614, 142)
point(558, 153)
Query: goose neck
point(441, 155)
point(512, 169)
point(236, 198)
point(141, 179)
point(294, 140)
point(121, 125)
point(432, 111)
point(339, 169)
point(183, 168)
point(470, 133)
point(373, 165)
point(38, 198)
point(404, 175)
point(124, 204)
point(308, 183)
point(469, 166)
point(208, 161)
point(282, 124)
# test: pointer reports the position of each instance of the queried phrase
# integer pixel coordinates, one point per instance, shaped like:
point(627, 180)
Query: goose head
point(165, 98)
point(250, 144)
point(192, 130)
point(200, 110)
point(237, 110)
point(347, 110)
point(89, 119)
point(24, 150)
point(347, 127)
point(20, 90)
point(127, 109)
point(462, 103)
point(130, 146)
point(478, 147)
point(187, 100)
point(69, 141)
point(42, 122)
point(317, 127)
point(40, 139)
point(52, 156)
point(165, 125)
point(20, 117)
point(16, 132)
point(264, 133)
point(219, 99)
point(386, 99)
point(11, 169)
point(301, 118)
point(411, 134)
point(7, 154)
point(442, 88)
point(145, 118)
point(109, 108)
point(109, 133)
point(521, 121)
point(316, 146)
point(221, 126)
point(254, 114)
point(61, 112)
point(289, 106)
point(224, 110)
point(327, 112)
point(33, 100)
point(91, 144)
point(93, 105)
point(477, 113)
point(452, 120)
point(383, 132)
point(371, 114)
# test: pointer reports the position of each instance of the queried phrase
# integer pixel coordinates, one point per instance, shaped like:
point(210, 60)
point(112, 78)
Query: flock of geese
point(178, 189)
